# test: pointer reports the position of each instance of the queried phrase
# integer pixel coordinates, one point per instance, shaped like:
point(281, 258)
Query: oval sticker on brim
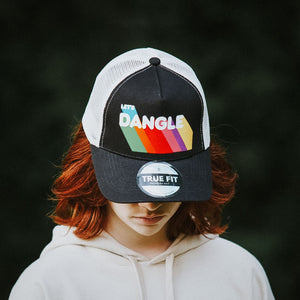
point(159, 179)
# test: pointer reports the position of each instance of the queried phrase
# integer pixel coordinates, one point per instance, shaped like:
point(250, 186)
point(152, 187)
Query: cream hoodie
point(193, 267)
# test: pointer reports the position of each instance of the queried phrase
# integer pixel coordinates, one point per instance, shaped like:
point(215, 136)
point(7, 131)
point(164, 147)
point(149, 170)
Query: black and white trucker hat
point(148, 127)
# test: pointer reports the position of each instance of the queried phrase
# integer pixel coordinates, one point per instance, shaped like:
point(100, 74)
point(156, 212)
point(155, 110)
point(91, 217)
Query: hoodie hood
point(64, 236)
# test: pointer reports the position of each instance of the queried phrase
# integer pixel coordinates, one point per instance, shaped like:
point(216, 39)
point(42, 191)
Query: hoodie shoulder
point(227, 265)
point(225, 253)
point(28, 284)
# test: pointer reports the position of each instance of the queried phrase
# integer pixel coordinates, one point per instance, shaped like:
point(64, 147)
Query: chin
point(147, 231)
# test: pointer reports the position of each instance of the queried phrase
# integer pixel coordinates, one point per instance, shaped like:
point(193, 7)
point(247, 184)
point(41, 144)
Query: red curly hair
point(81, 204)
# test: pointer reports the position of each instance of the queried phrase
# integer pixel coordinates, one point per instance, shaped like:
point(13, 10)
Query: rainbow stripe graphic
point(167, 139)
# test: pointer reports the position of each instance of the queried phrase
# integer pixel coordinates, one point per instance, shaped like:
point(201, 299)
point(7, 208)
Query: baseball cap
point(148, 128)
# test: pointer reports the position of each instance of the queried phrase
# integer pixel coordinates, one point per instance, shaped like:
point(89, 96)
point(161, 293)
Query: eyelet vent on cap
point(154, 61)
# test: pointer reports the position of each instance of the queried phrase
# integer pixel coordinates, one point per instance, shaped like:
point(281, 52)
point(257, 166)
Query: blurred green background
point(245, 53)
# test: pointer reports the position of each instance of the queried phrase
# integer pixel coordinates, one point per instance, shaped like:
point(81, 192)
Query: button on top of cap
point(154, 61)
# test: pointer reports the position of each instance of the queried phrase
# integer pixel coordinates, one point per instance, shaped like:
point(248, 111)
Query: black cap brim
point(117, 177)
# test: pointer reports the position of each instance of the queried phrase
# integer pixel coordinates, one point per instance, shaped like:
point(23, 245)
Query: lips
point(149, 219)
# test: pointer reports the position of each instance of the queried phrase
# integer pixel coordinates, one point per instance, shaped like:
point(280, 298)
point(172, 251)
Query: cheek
point(119, 210)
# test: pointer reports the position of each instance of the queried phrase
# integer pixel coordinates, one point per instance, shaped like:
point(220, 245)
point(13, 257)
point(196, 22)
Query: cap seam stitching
point(111, 96)
point(190, 153)
point(201, 102)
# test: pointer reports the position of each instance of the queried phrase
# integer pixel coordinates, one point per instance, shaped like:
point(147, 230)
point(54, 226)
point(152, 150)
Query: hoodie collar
point(64, 235)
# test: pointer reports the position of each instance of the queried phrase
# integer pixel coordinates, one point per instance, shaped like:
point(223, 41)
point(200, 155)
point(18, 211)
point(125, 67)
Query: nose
point(150, 206)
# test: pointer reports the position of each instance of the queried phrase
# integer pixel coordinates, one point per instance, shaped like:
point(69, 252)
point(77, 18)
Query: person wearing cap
point(140, 196)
